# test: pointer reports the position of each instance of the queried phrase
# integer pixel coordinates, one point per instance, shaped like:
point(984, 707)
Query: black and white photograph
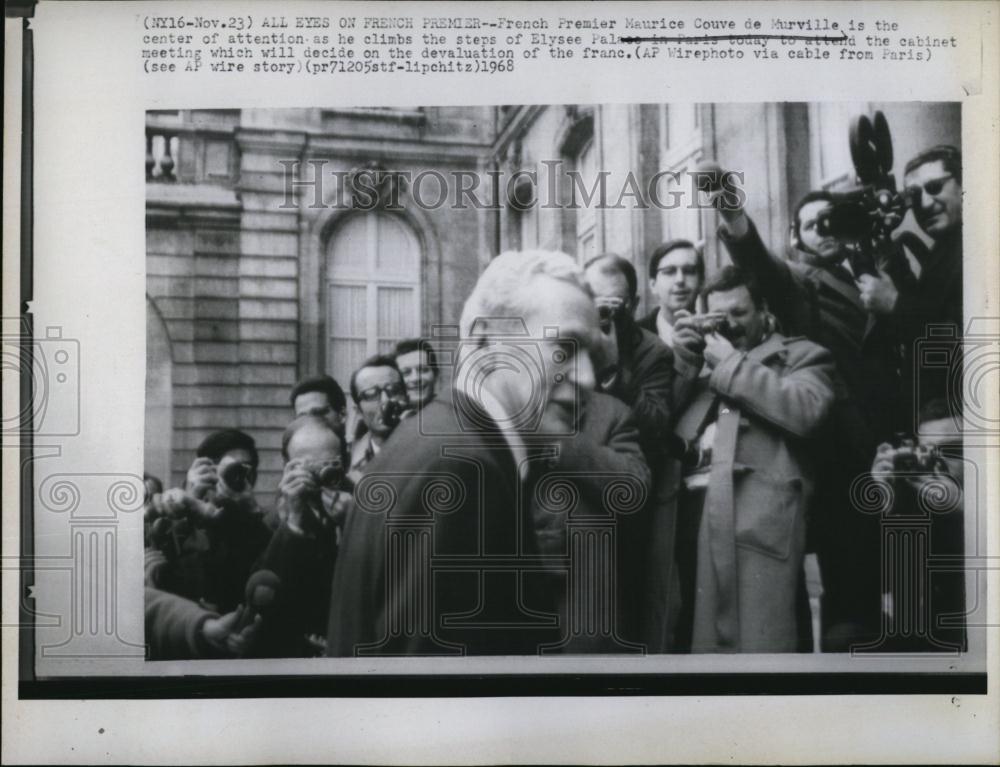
point(500, 383)
point(554, 380)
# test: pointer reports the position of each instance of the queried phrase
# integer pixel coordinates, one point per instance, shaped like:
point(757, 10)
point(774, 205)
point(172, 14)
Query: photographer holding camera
point(933, 186)
point(212, 531)
point(748, 473)
point(819, 299)
point(314, 498)
point(378, 390)
point(637, 368)
point(923, 480)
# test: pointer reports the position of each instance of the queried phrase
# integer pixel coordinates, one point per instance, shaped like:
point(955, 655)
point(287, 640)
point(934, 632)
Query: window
point(373, 290)
point(586, 215)
point(682, 149)
point(829, 147)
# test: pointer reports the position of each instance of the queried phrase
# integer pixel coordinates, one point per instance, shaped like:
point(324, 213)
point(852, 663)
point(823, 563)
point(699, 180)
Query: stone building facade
point(262, 268)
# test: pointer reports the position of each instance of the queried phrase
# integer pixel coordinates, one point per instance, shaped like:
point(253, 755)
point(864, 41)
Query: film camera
point(237, 475)
point(867, 214)
point(609, 312)
point(711, 322)
point(393, 412)
point(914, 457)
point(328, 475)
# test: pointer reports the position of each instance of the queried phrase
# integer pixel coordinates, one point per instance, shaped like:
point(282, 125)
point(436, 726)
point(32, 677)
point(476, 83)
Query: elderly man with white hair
point(440, 554)
point(452, 483)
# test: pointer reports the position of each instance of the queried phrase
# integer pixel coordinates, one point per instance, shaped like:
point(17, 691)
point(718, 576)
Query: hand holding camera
point(312, 495)
point(176, 504)
point(202, 478)
point(717, 348)
point(610, 310)
point(905, 458)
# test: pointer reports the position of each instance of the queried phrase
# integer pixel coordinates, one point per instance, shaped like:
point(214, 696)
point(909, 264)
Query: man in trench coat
point(747, 477)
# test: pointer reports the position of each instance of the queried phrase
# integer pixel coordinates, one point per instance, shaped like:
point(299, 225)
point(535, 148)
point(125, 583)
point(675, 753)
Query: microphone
point(262, 592)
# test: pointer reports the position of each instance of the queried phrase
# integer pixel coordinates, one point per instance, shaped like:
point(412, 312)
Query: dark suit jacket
point(645, 383)
point(439, 552)
point(610, 481)
point(683, 377)
point(649, 321)
point(935, 298)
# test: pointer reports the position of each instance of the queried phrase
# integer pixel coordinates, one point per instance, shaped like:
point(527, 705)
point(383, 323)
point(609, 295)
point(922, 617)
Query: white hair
point(501, 292)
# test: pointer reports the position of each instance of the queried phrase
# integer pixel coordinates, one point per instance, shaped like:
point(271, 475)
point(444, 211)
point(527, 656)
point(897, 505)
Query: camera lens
point(331, 476)
point(236, 476)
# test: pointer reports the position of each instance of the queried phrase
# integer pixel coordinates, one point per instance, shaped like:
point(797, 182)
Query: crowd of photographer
point(740, 415)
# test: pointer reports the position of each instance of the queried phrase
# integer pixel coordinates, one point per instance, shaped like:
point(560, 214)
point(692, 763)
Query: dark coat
point(648, 323)
point(610, 481)
point(649, 383)
point(645, 384)
point(434, 557)
point(933, 299)
point(751, 541)
point(209, 561)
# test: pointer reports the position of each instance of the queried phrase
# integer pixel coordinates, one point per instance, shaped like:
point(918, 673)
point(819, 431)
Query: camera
point(609, 314)
point(393, 412)
point(917, 458)
point(237, 476)
point(711, 322)
point(867, 214)
point(328, 475)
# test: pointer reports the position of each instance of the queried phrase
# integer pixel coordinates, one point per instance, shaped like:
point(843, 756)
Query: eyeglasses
point(934, 187)
point(373, 393)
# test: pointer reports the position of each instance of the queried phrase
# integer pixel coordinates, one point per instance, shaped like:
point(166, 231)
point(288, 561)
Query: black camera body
point(392, 413)
point(712, 322)
point(918, 459)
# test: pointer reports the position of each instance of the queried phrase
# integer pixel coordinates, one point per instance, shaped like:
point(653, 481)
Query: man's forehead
point(598, 275)
point(238, 454)
point(679, 256)
point(311, 398)
point(932, 169)
point(736, 295)
point(313, 437)
point(939, 431)
point(376, 375)
point(407, 359)
point(813, 208)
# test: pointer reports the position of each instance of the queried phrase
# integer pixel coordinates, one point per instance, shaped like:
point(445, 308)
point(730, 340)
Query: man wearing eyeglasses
point(378, 390)
point(933, 180)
